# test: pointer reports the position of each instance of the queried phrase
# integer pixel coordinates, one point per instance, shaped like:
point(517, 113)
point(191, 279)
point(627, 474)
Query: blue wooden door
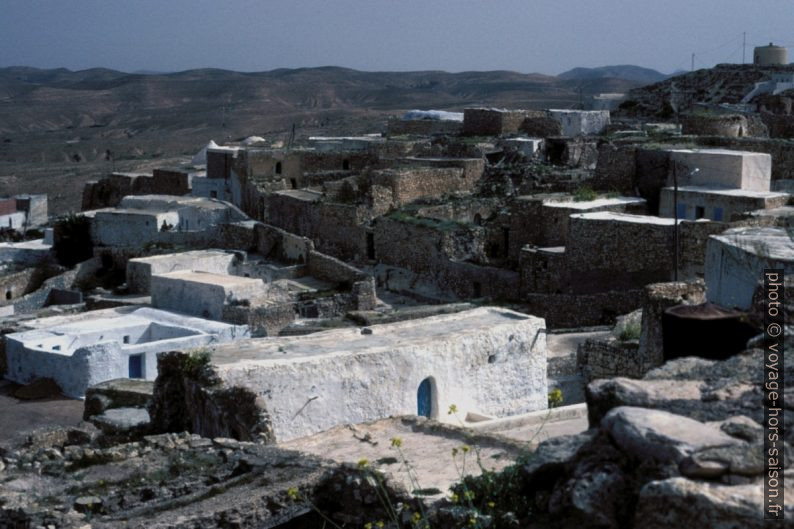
point(136, 366)
point(424, 399)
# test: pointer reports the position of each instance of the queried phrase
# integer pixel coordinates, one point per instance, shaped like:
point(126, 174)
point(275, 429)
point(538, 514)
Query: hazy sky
point(547, 36)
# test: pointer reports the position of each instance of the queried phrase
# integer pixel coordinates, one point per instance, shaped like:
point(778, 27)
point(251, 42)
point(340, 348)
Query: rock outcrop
point(682, 447)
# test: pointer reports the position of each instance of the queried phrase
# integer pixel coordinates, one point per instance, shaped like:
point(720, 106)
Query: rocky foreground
point(681, 447)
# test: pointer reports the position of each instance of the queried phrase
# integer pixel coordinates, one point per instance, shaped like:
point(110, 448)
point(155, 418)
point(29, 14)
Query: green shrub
point(632, 331)
point(584, 194)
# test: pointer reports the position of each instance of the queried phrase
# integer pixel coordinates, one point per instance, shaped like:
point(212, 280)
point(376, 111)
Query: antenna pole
point(693, 63)
point(744, 45)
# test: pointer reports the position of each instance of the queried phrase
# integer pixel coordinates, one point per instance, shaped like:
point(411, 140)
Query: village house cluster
point(346, 279)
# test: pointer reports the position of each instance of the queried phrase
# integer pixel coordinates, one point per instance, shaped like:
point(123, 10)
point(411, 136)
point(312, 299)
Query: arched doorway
point(425, 397)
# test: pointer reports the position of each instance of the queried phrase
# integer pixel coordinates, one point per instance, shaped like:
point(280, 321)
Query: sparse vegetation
point(584, 194)
point(631, 331)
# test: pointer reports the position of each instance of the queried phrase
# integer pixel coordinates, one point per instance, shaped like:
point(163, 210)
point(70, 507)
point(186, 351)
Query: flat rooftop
point(169, 202)
point(590, 204)
point(772, 243)
point(192, 253)
point(77, 321)
point(728, 192)
point(718, 152)
point(207, 278)
point(625, 217)
point(306, 195)
point(351, 341)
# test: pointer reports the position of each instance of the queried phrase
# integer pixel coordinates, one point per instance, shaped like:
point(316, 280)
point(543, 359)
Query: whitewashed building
point(487, 362)
point(78, 351)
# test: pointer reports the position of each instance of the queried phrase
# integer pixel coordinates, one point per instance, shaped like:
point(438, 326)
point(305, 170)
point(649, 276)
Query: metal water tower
point(767, 55)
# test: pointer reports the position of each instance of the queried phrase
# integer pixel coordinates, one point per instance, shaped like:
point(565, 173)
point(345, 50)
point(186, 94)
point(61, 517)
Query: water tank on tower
point(766, 55)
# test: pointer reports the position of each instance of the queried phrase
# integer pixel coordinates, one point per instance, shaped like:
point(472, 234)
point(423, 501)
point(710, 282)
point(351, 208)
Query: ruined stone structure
point(495, 121)
point(108, 192)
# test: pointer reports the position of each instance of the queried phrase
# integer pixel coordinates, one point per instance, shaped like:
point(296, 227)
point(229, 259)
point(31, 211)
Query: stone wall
point(606, 252)
point(572, 152)
point(422, 127)
point(609, 358)
point(727, 125)
point(541, 126)
point(109, 191)
point(495, 122)
point(420, 244)
point(616, 169)
point(336, 229)
point(411, 184)
point(567, 311)
point(657, 298)
point(17, 284)
point(780, 126)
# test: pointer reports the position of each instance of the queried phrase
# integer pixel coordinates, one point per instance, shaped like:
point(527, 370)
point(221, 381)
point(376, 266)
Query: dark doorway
point(371, 246)
point(424, 398)
point(345, 164)
point(278, 167)
point(505, 241)
point(700, 212)
point(293, 183)
point(136, 366)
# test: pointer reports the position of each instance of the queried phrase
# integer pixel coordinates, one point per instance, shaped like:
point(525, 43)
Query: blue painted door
point(136, 366)
point(424, 399)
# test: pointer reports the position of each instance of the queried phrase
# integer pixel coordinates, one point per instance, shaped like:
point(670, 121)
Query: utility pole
point(693, 63)
point(744, 45)
point(675, 221)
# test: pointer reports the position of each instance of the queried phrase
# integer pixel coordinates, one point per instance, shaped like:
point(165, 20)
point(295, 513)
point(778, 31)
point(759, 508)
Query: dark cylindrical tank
point(706, 330)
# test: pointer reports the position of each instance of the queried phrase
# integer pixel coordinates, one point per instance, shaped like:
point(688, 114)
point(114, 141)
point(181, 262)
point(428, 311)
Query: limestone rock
point(660, 436)
point(87, 504)
point(679, 502)
point(117, 393)
point(742, 427)
point(603, 395)
point(553, 453)
point(122, 420)
point(704, 390)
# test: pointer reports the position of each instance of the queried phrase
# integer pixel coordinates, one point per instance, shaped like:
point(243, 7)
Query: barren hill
point(725, 83)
